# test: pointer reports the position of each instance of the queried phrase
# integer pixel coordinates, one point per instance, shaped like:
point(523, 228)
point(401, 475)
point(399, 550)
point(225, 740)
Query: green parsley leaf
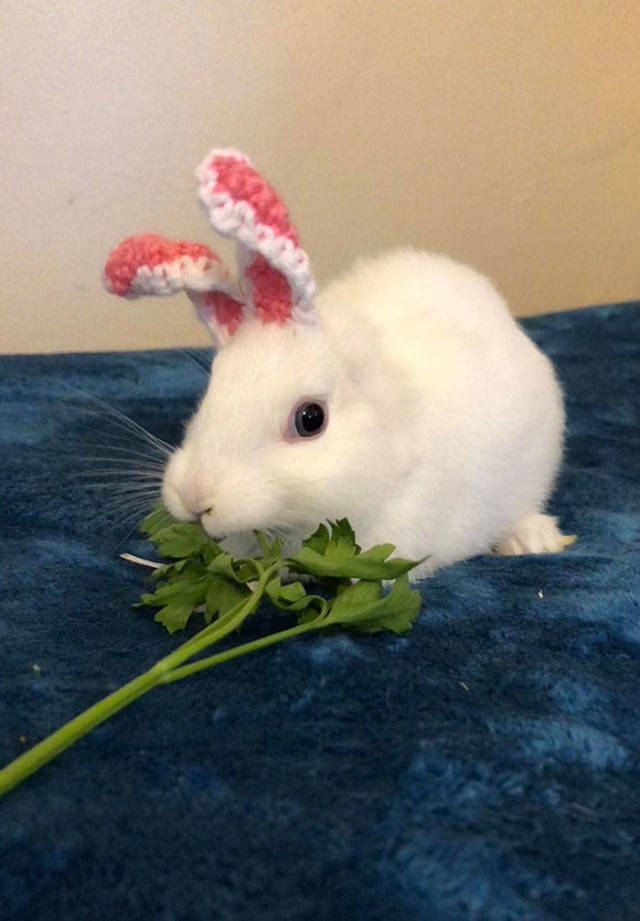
point(398, 611)
point(180, 539)
point(223, 565)
point(355, 603)
point(342, 543)
point(157, 519)
point(271, 552)
point(175, 615)
point(222, 595)
point(367, 565)
point(291, 596)
point(336, 555)
point(318, 540)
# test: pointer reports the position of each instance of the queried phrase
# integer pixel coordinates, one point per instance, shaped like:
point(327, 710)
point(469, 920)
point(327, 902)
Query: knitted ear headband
point(275, 275)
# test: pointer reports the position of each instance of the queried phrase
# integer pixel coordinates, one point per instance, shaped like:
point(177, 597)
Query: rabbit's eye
point(307, 420)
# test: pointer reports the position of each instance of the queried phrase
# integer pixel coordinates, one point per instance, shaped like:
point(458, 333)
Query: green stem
point(29, 762)
point(177, 674)
point(26, 764)
point(223, 625)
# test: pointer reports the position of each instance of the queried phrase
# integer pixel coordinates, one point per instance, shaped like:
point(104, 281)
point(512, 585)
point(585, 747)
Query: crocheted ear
point(242, 205)
point(151, 264)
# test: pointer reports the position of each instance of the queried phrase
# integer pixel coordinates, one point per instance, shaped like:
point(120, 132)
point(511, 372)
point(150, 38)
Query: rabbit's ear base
point(220, 312)
point(270, 291)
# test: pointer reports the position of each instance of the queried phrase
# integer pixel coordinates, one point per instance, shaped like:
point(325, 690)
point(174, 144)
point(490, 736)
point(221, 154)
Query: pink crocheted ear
point(151, 264)
point(242, 205)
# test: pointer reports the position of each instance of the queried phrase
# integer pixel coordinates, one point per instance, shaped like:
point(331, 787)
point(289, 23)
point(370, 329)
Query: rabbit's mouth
point(215, 535)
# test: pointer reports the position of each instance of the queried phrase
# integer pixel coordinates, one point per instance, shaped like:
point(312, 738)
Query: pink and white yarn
point(151, 264)
point(275, 271)
point(242, 205)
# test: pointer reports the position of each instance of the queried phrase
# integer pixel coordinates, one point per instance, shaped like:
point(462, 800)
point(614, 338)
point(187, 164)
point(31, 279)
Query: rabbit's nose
point(206, 520)
point(187, 490)
point(174, 501)
point(208, 524)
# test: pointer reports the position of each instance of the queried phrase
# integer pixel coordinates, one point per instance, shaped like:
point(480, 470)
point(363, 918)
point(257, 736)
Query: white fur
point(445, 421)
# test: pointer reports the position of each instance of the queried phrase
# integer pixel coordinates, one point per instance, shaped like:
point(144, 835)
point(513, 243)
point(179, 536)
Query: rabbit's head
point(278, 424)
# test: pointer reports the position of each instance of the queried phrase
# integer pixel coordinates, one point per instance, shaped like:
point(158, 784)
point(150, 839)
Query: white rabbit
point(405, 397)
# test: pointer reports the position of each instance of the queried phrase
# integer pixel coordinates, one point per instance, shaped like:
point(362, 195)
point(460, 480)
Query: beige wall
point(505, 132)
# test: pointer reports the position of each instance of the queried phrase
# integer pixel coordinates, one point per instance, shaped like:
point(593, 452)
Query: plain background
point(504, 133)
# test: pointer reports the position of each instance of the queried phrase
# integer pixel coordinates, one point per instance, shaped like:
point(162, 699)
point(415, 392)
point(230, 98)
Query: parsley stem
point(29, 762)
point(223, 625)
point(184, 671)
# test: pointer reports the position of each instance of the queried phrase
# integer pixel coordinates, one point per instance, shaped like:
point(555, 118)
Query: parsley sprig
point(201, 578)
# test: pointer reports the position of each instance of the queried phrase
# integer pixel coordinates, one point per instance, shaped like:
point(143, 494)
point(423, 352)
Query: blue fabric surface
point(485, 766)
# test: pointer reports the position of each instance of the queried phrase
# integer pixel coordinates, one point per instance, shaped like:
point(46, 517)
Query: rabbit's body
point(437, 425)
point(473, 414)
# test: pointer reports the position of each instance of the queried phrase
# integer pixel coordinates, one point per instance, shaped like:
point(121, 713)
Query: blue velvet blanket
point(484, 766)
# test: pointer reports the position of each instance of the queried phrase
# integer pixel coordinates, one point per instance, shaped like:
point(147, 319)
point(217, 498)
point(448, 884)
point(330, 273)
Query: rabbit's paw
point(535, 534)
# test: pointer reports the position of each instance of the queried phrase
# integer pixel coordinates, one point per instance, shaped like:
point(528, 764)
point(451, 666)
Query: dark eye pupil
point(309, 419)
